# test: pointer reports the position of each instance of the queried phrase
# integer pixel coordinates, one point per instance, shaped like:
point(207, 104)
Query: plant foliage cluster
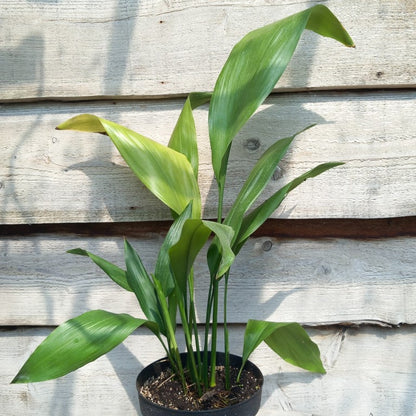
point(171, 173)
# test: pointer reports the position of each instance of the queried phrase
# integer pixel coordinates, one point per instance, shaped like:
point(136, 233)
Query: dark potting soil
point(166, 390)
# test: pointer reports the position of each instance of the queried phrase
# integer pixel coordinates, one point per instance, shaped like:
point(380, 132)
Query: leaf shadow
point(124, 369)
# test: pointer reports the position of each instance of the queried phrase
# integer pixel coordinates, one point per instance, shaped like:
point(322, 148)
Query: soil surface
point(166, 390)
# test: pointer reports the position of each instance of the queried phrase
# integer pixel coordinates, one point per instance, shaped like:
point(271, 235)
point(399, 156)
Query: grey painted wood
point(315, 282)
point(369, 371)
point(160, 48)
point(50, 176)
point(165, 49)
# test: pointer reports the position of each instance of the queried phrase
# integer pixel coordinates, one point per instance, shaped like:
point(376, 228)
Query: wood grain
point(53, 176)
point(159, 48)
point(369, 371)
point(316, 282)
point(350, 258)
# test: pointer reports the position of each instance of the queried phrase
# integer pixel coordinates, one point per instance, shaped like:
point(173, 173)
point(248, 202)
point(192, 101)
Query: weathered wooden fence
point(339, 256)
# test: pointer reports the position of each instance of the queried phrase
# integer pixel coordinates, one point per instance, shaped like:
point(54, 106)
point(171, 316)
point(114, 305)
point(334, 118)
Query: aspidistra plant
point(253, 68)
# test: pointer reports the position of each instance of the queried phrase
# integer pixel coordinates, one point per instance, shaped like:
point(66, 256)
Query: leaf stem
point(206, 335)
point(192, 321)
point(173, 346)
point(214, 333)
point(188, 341)
point(226, 336)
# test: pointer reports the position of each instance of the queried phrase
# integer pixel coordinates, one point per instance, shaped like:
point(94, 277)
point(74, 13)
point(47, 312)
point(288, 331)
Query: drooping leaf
point(259, 215)
point(182, 255)
point(164, 171)
point(117, 274)
point(78, 342)
point(287, 339)
point(184, 138)
point(195, 234)
point(83, 122)
point(252, 70)
point(223, 237)
point(162, 269)
point(257, 180)
point(143, 286)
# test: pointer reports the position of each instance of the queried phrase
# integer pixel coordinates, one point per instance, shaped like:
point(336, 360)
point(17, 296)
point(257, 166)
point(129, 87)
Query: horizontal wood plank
point(369, 371)
point(310, 281)
point(50, 176)
point(160, 48)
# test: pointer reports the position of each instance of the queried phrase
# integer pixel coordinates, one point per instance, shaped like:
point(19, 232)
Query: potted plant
point(171, 173)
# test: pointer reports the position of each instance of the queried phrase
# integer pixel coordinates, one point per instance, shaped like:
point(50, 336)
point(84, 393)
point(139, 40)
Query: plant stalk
point(206, 335)
point(214, 333)
point(173, 346)
point(214, 282)
point(226, 336)
point(193, 323)
point(188, 341)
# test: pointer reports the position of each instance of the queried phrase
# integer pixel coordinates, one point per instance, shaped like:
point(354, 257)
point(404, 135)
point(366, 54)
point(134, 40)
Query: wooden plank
point(369, 371)
point(310, 281)
point(154, 47)
point(50, 176)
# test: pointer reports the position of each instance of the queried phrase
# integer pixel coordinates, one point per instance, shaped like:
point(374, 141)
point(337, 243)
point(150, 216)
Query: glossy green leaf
point(195, 234)
point(258, 216)
point(257, 181)
point(117, 274)
point(162, 269)
point(164, 171)
point(78, 342)
point(289, 340)
point(184, 139)
point(143, 286)
point(252, 70)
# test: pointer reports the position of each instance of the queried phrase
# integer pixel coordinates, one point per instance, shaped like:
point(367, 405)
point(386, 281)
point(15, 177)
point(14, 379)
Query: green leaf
point(182, 255)
point(163, 270)
point(83, 122)
point(184, 138)
point(78, 342)
point(143, 286)
point(257, 180)
point(195, 234)
point(164, 171)
point(252, 70)
point(258, 216)
point(289, 340)
point(114, 272)
point(224, 235)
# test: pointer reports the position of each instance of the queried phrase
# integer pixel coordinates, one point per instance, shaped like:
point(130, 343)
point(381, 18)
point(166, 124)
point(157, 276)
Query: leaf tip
point(78, 251)
point(20, 379)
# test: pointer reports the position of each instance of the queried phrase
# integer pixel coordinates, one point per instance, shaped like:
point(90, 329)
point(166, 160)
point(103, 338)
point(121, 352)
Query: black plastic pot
point(249, 407)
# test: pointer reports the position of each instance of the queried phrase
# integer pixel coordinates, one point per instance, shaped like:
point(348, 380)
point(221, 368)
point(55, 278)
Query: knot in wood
point(277, 174)
point(252, 144)
point(267, 245)
point(325, 269)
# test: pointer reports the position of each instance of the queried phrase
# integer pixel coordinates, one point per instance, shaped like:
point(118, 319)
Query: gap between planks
point(278, 228)
point(398, 88)
point(165, 97)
